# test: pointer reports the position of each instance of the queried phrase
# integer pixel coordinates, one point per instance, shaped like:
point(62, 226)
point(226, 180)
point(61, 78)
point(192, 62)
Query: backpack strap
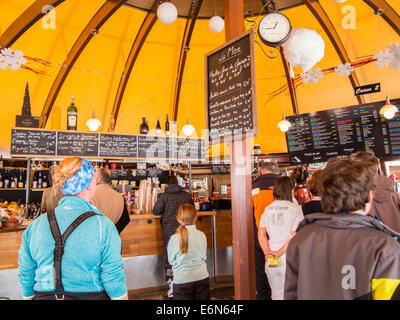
point(60, 244)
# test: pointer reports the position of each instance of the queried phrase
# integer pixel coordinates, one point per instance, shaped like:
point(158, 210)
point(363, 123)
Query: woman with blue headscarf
point(73, 252)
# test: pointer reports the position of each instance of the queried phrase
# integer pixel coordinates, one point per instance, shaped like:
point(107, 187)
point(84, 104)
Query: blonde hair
point(63, 171)
point(187, 215)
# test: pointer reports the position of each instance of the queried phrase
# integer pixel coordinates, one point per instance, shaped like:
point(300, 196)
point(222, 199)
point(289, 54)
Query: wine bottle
point(44, 183)
point(158, 127)
point(72, 116)
point(144, 127)
point(167, 126)
point(6, 182)
point(1, 181)
point(34, 182)
point(40, 180)
point(12, 183)
point(20, 181)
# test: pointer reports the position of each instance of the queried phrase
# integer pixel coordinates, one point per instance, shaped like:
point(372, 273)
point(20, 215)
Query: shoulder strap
point(60, 244)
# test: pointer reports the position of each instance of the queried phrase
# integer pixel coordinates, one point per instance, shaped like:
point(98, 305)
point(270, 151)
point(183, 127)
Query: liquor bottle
point(12, 183)
point(1, 181)
point(20, 181)
point(40, 180)
point(158, 127)
point(167, 126)
point(34, 183)
point(45, 183)
point(6, 182)
point(144, 127)
point(72, 116)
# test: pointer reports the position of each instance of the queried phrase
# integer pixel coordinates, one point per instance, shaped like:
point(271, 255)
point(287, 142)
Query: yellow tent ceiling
point(96, 74)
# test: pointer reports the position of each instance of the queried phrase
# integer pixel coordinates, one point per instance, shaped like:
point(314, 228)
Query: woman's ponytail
point(187, 215)
point(183, 239)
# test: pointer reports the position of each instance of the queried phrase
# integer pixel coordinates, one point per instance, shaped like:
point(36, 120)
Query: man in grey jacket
point(343, 253)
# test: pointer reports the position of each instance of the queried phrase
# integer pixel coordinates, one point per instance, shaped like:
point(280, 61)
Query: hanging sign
point(369, 88)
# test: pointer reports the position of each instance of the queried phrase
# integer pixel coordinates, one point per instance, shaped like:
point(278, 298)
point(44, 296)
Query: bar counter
point(142, 236)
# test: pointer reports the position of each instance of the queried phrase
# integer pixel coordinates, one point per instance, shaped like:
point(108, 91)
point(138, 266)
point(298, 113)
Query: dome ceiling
point(210, 8)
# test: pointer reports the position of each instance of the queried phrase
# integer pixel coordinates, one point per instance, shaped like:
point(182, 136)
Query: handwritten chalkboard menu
point(219, 168)
point(230, 89)
point(73, 143)
point(31, 142)
point(35, 142)
point(118, 146)
point(318, 136)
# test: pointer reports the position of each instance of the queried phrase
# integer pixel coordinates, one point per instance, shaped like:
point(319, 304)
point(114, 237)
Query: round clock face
point(274, 29)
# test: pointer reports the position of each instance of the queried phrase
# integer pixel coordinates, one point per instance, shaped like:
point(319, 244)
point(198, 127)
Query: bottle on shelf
point(20, 181)
point(12, 183)
point(1, 181)
point(45, 182)
point(72, 116)
point(34, 182)
point(167, 126)
point(158, 127)
point(144, 127)
point(6, 182)
point(40, 181)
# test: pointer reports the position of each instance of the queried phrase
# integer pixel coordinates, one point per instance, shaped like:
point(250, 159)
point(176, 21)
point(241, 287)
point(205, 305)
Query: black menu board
point(318, 136)
point(230, 89)
point(118, 146)
point(73, 143)
point(32, 142)
point(35, 142)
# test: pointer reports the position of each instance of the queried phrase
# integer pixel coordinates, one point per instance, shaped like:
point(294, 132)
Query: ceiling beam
point(102, 15)
point(389, 14)
point(292, 88)
point(26, 20)
point(190, 23)
point(140, 39)
point(323, 19)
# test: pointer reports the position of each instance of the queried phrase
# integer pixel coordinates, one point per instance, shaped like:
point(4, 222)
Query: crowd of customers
point(331, 234)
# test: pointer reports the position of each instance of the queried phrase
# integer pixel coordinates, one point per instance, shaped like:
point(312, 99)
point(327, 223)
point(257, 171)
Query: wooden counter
point(142, 236)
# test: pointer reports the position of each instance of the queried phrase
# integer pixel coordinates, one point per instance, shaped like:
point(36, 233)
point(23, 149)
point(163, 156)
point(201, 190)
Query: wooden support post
point(242, 217)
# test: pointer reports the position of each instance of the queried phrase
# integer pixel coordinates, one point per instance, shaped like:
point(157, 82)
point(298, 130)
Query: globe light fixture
point(388, 110)
point(188, 129)
point(167, 12)
point(284, 124)
point(93, 123)
point(216, 24)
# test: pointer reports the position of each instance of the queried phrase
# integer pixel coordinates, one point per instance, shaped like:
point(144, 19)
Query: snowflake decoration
point(344, 69)
point(10, 59)
point(389, 58)
point(312, 76)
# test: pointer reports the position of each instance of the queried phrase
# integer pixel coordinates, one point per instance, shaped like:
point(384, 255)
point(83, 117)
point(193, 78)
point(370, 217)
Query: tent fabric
point(150, 89)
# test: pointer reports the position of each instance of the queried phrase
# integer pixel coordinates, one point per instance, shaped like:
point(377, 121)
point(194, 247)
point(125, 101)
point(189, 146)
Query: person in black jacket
point(167, 206)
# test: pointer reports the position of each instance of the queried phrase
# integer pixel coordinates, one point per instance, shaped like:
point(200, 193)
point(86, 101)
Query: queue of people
point(336, 239)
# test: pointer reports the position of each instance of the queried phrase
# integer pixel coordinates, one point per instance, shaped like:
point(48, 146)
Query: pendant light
point(94, 123)
point(388, 110)
point(216, 23)
point(188, 129)
point(167, 13)
point(284, 124)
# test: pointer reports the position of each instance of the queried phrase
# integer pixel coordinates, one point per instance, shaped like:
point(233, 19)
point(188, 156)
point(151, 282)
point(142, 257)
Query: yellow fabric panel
point(150, 90)
point(383, 289)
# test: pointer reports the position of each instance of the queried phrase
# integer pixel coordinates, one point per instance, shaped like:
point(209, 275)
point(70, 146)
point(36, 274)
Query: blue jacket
point(92, 256)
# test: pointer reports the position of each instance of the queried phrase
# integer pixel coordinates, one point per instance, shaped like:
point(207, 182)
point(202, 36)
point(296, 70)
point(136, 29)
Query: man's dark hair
point(172, 180)
point(283, 188)
point(345, 186)
point(369, 159)
point(314, 182)
point(105, 175)
point(300, 174)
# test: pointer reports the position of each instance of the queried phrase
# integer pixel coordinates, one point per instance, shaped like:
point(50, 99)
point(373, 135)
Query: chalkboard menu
point(317, 136)
point(72, 143)
point(31, 142)
point(35, 142)
point(230, 89)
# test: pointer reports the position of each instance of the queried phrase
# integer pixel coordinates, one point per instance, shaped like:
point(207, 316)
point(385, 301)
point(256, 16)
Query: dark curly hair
point(299, 174)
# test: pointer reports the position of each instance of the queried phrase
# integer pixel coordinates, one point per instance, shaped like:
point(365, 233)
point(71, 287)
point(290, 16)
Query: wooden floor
point(223, 290)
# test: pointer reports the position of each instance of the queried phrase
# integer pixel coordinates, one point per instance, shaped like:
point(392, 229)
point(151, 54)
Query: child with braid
point(187, 253)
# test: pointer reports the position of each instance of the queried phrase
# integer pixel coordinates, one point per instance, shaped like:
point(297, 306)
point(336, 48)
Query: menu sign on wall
point(230, 89)
point(35, 142)
point(317, 136)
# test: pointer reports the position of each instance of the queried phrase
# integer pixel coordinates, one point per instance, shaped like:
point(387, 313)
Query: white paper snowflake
point(10, 59)
point(312, 76)
point(394, 56)
point(344, 69)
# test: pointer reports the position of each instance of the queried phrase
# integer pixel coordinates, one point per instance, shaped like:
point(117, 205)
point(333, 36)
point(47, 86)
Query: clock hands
point(276, 23)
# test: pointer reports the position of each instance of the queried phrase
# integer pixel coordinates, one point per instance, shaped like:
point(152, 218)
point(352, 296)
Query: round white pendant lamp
point(167, 13)
point(388, 110)
point(93, 123)
point(188, 129)
point(216, 24)
point(284, 124)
